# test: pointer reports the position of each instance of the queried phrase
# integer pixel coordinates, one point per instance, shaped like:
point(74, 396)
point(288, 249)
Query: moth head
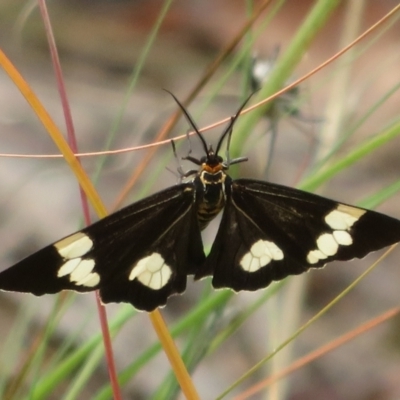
point(212, 158)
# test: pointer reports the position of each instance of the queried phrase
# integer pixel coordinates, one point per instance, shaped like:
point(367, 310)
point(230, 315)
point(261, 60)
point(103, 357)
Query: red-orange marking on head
point(212, 169)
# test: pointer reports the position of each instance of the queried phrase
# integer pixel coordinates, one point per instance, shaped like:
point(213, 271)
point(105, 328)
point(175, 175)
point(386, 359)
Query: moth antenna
point(228, 129)
point(190, 145)
point(228, 145)
point(190, 121)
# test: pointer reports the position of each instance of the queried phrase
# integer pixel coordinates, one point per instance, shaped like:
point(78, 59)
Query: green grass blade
point(367, 147)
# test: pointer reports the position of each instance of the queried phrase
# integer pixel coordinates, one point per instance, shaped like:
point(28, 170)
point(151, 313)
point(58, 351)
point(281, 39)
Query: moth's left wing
point(269, 231)
point(141, 254)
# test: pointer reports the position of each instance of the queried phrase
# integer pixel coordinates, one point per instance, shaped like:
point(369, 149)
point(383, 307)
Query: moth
point(143, 253)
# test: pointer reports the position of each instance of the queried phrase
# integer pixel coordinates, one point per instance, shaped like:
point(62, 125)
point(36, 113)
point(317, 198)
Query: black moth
point(143, 253)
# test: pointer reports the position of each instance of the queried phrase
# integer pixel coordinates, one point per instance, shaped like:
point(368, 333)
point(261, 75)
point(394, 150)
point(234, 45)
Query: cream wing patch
point(151, 271)
point(327, 244)
point(340, 221)
point(261, 253)
point(74, 246)
point(343, 217)
point(79, 270)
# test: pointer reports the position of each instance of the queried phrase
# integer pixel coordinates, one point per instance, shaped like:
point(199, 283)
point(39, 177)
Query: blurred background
point(102, 44)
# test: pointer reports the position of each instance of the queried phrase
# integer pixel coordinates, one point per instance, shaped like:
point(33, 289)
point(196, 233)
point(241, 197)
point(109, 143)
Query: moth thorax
point(212, 178)
point(212, 199)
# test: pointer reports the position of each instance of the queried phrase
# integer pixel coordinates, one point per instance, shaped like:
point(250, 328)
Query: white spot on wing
point(261, 253)
point(156, 281)
point(68, 267)
point(312, 258)
point(340, 221)
point(343, 217)
point(165, 274)
point(264, 260)
point(327, 244)
point(350, 210)
point(74, 246)
point(155, 263)
point(258, 249)
point(82, 270)
point(91, 280)
point(151, 271)
point(343, 238)
point(255, 265)
point(273, 251)
point(245, 262)
point(315, 255)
